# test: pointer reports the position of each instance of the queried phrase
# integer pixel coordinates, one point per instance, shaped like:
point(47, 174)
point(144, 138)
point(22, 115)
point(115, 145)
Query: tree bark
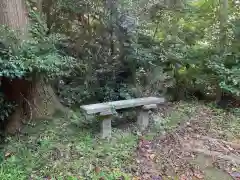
point(14, 15)
point(223, 39)
point(34, 98)
point(39, 6)
point(223, 12)
point(46, 9)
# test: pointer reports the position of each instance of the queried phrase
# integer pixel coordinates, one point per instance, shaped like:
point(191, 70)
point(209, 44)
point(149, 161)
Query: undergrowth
point(69, 148)
point(60, 149)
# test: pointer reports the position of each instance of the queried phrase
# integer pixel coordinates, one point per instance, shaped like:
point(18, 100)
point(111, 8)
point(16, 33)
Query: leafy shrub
point(36, 55)
point(6, 107)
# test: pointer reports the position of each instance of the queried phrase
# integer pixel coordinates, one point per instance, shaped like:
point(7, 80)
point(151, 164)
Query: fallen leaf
point(146, 155)
point(145, 144)
point(149, 151)
point(140, 144)
point(198, 136)
point(157, 160)
point(47, 178)
point(8, 154)
point(152, 156)
point(198, 174)
point(146, 176)
point(233, 169)
point(156, 177)
point(97, 170)
point(116, 170)
point(141, 138)
point(183, 177)
point(136, 178)
point(235, 174)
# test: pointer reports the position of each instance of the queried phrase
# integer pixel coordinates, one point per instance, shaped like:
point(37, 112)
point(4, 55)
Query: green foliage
point(34, 56)
point(57, 149)
point(191, 47)
point(6, 107)
point(228, 76)
point(128, 49)
point(37, 54)
point(9, 170)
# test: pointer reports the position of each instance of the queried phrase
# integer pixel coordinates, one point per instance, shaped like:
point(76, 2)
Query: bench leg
point(106, 127)
point(143, 119)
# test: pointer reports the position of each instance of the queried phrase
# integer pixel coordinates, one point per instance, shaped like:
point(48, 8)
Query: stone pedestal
point(143, 119)
point(106, 126)
point(143, 116)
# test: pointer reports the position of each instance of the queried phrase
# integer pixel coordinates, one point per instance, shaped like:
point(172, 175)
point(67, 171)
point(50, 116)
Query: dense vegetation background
point(95, 51)
point(56, 55)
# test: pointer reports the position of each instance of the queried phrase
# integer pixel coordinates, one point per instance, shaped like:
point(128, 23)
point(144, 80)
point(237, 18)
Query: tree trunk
point(39, 6)
point(34, 98)
point(13, 14)
point(223, 18)
point(223, 12)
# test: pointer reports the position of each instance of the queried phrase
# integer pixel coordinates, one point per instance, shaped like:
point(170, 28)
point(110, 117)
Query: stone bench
point(107, 110)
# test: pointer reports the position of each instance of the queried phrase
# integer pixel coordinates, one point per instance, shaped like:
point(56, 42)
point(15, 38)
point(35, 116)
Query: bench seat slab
point(111, 106)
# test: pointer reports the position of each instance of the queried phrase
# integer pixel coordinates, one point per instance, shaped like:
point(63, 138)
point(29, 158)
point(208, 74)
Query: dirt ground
point(196, 149)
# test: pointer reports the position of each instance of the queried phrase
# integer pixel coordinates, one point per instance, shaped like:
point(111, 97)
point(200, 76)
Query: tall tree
point(223, 18)
point(13, 14)
point(34, 98)
point(223, 11)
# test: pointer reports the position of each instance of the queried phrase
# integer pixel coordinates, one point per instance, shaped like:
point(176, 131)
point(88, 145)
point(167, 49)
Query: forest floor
point(204, 145)
point(184, 141)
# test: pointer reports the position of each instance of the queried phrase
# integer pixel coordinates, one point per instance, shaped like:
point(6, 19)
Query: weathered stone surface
point(106, 113)
point(111, 106)
point(150, 106)
point(106, 110)
point(143, 119)
point(106, 127)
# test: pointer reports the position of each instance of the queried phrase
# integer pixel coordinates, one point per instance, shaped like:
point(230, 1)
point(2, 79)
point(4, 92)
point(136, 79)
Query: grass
point(68, 148)
point(61, 149)
point(180, 113)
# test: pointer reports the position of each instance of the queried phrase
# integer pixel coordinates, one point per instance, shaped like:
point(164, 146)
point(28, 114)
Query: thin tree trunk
point(34, 98)
point(39, 5)
point(223, 18)
point(46, 9)
point(223, 24)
